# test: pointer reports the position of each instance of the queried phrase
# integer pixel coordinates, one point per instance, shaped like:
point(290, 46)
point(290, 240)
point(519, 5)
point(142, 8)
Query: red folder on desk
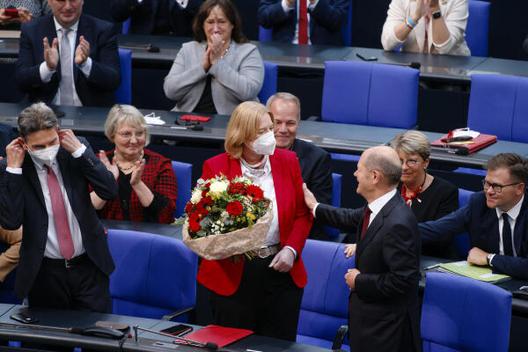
point(220, 335)
point(464, 147)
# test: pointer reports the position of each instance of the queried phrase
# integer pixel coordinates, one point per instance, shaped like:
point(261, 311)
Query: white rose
point(218, 187)
point(196, 196)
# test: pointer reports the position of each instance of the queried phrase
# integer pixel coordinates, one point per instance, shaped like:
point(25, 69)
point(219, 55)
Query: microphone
point(413, 64)
point(194, 127)
point(186, 342)
point(148, 47)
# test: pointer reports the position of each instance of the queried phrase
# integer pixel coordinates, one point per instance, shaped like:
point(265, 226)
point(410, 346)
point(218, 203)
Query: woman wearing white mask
point(263, 294)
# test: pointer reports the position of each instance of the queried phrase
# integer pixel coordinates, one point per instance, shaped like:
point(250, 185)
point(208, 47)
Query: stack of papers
point(481, 273)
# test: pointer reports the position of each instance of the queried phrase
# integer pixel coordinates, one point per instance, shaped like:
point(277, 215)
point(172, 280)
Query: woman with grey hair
point(147, 184)
point(429, 197)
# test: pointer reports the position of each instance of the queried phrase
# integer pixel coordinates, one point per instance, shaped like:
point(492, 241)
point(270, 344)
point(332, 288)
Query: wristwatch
point(489, 258)
point(437, 14)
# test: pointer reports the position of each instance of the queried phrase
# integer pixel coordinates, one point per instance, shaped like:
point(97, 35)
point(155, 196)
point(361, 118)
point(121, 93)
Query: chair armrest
point(313, 118)
point(340, 336)
point(177, 313)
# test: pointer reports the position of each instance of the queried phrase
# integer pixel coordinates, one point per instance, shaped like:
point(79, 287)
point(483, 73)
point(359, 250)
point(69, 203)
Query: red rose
point(194, 226)
point(234, 208)
point(206, 201)
point(188, 207)
point(255, 192)
point(237, 188)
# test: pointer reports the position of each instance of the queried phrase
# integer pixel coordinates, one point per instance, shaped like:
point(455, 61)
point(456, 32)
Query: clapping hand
point(51, 53)
point(137, 172)
point(24, 15)
point(15, 153)
point(112, 167)
point(82, 52)
point(423, 8)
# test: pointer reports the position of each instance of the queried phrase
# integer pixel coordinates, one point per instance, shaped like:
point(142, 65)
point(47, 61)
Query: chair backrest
point(125, 26)
point(332, 232)
point(155, 275)
point(477, 27)
point(183, 172)
point(265, 34)
point(462, 314)
point(269, 86)
point(370, 94)
point(461, 241)
point(324, 306)
point(124, 91)
point(498, 105)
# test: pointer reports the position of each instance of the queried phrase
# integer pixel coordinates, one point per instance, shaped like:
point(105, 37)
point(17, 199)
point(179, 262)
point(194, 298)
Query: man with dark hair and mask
point(44, 185)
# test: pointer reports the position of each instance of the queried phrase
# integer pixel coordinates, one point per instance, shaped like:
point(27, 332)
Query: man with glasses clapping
point(494, 218)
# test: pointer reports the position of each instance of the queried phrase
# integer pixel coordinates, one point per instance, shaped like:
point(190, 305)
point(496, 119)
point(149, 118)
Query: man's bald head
point(386, 160)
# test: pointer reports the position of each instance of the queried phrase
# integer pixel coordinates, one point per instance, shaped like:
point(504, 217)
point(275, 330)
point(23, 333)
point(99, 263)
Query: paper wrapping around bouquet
point(225, 245)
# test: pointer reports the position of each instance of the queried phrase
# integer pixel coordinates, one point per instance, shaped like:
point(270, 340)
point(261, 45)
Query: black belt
point(68, 263)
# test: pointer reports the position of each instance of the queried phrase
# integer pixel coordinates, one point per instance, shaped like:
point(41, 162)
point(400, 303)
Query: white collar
point(513, 212)
point(58, 26)
point(376, 205)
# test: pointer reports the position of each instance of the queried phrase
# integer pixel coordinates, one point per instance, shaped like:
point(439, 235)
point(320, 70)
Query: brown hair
point(230, 11)
point(35, 118)
point(243, 126)
point(517, 165)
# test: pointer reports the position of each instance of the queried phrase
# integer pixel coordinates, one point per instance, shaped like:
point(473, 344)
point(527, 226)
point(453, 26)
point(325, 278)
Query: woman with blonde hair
point(147, 184)
point(262, 294)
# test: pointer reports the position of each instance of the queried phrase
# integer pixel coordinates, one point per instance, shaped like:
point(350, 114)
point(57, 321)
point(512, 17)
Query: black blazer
point(482, 224)
point(326, 21)
point(384, 307)
point(143, 16)
point(22, 203)
point(96, 90)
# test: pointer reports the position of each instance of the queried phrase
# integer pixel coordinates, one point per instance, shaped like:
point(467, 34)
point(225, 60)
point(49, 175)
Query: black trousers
point(82, 286)
point(267, 302)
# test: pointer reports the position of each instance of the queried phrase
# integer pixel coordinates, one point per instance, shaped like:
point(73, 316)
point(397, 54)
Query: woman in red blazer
point(263, 294)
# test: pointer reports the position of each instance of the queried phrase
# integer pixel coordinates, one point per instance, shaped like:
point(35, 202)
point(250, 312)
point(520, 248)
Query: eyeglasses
point(496, 187)
point(128, 134)
point(410, 162)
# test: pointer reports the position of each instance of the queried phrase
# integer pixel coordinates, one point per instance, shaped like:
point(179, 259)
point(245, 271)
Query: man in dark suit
point(496, 219)
point(67, 58)
point(383, 303)
point(44, 185)
point(326, 18)
point(158, 17)
point(315, 162)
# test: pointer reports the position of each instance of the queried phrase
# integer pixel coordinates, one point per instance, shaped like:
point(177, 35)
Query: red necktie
point(60, 216)
point(366, 219)
point(303, 22)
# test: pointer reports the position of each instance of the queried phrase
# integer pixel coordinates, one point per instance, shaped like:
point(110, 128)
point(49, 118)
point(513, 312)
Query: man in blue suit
point(45, 183)
point(496, 219)
point(68, 58)
point(158, 17)
point(326, 18)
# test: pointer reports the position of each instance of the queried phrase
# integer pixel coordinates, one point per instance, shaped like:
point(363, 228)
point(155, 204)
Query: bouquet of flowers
point(226, 217)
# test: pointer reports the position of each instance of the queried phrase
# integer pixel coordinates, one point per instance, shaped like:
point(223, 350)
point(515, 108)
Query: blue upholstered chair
point(461, 241)
point(462, 314)
point(269, 87)
point(183, 172)
point(477, 27)
point(265, 34)
point(125, 26)
point(7, 288)
point(324, 307)
point(154, 276)
point(370, 94)
point(332, 232)
point(124, 91)
point(498, 105)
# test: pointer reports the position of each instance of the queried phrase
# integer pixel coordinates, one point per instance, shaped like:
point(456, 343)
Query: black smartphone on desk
point(178, 330)
point(364, 58)
point(521, 293)
point(23, 316)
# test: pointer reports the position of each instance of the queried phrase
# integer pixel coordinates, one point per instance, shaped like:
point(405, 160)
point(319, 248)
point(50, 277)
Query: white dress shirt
point(513, 213)
point(46, 74)
point(310, 7)
point(52, 249)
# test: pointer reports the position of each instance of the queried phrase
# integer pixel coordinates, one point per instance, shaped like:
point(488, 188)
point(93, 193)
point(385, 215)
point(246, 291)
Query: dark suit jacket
point(384, 307)
point(482, 224)
point(143, 16)
point(326, 21)
point(224, 276)
point(22, 203)
point(96, 90)
point(316, 171)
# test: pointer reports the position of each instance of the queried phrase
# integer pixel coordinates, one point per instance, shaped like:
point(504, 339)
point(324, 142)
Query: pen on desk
point(250, 350)
point(432, 266)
